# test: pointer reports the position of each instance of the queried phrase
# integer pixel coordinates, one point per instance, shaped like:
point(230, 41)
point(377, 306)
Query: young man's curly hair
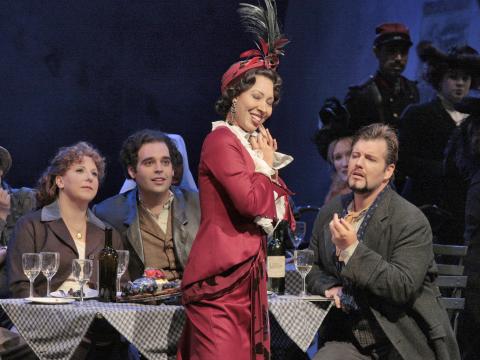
point(131, 146)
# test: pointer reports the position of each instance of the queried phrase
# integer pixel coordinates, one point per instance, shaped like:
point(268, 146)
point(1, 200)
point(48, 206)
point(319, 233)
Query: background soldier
point(387, 93)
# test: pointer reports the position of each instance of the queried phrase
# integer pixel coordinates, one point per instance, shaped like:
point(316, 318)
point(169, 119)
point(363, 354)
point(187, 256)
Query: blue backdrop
point(99, 70)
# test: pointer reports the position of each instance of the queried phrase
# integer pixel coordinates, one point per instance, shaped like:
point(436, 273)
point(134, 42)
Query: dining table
point(55, 331)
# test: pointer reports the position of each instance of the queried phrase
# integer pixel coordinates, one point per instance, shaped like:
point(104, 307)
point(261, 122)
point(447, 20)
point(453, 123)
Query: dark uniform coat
point(378, 100)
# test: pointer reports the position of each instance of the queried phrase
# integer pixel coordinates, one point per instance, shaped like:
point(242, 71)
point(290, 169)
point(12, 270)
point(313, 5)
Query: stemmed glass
point(303, 260)
point(50, 262)
point(299, 233)
point(82, 270)
point(32, 264)
point(123, 257)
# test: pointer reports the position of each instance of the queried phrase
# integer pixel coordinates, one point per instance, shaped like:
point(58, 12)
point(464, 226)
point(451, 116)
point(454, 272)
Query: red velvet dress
point(224, 283)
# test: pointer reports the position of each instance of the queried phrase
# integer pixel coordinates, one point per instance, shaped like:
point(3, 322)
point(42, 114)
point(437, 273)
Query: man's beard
point(392, 73)
point(360, 190)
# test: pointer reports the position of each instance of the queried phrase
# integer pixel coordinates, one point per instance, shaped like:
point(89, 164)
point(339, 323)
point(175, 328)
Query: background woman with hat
point(334, 143)
point(426, 128)
point(241, 197)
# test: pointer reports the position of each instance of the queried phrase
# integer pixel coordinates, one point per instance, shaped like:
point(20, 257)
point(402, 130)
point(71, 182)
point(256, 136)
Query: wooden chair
point(451, 280)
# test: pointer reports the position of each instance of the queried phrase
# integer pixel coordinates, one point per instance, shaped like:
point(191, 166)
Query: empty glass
point(299, 233)
point(50, 262)
point(123, 257)
point(82, 271)
point(303, 260)
point(32, 264)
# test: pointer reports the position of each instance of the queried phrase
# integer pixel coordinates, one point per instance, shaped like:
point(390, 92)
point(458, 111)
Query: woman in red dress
point(241, 197)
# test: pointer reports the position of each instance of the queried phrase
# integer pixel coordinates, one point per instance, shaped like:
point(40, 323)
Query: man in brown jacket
point(158, 222)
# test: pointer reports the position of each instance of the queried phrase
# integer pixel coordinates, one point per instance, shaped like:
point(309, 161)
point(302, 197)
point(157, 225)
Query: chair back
point(451, 280)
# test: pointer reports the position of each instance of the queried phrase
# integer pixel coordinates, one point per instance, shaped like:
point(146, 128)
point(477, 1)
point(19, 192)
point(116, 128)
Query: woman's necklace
point(76, 233)
point(79, 235)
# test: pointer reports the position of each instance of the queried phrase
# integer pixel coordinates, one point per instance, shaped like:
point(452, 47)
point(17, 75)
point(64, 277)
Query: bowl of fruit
point(153, 286)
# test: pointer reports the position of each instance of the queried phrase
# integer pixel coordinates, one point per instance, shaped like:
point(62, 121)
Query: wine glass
point(32, 264)
point(303, 260)
point(299, 233)
point(123, 257)
point(50, 262)
point(82, 270)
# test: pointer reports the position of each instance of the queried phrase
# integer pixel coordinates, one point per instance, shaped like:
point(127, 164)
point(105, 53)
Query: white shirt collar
point(456, 115)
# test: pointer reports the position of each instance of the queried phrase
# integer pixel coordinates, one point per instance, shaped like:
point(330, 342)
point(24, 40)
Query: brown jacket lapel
point(60, 230)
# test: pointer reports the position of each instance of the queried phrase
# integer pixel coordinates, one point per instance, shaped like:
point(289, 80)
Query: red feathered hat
point(263, 23)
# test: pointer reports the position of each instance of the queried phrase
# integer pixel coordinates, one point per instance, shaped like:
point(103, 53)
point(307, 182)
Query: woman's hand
point(265, 143)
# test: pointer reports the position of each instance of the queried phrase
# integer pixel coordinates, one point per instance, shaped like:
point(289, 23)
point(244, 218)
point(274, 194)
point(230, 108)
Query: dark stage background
point(99, 70)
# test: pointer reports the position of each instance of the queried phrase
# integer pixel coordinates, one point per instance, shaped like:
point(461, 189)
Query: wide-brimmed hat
point(457, 57)
point(391, 33)
point(5, 160)
point(334, 125)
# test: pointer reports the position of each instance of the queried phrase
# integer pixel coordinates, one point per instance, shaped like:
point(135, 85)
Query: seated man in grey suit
point(157, 221)
point(374, 257)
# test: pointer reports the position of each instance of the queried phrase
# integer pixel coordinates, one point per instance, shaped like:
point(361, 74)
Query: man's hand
point(335, 293)
point(4, 204)
point(343, 233)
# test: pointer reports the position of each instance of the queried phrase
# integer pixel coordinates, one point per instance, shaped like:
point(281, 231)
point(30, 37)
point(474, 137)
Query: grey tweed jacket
point(394, 269)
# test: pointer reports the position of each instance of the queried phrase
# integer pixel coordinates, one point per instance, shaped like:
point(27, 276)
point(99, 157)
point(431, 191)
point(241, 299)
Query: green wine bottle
point(107, 263)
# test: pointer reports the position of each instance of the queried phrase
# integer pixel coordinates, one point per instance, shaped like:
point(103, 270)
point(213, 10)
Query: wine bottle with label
point(107, 268)
point(276, 258)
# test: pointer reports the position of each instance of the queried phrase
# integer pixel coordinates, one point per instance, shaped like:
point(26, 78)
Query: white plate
point(88, 294)
point(315, 298)
point(49, 300)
